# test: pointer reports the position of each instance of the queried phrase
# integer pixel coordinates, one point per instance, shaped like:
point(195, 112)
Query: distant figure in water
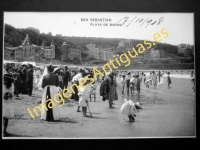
point(168, 79)
point(192, 74)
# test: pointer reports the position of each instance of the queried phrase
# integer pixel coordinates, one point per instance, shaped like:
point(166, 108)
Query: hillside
point(15, 36)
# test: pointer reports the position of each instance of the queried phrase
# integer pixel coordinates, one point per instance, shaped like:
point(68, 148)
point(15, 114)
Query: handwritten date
point(126, 21)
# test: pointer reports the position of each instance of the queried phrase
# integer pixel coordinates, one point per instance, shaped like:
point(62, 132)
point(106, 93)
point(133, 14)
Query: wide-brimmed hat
point(8, 67)
point(24, 65)
point(30, 65)
point(128, 73)
point(138, 106)
point(56, 70)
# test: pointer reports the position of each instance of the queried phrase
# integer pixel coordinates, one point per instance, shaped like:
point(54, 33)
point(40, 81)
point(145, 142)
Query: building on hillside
point(91, 46)
point(184, 46)
point(29, 52)
point(48, 51)
point(181, 50)
point(154, 53)
point(24, 52)
point(72, 53)
point(124, 43)
point(99, 53)
point(107, 54)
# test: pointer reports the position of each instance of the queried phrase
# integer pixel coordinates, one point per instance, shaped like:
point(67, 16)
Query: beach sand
point(167, 112)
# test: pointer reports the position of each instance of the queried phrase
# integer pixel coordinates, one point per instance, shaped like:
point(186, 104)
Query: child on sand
point(84, 94)
point(147, 82)
point(128, 108)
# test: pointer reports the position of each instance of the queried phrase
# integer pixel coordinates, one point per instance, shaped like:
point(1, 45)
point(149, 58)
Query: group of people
point(133, 82)
point(53, 80)
point(22, 78)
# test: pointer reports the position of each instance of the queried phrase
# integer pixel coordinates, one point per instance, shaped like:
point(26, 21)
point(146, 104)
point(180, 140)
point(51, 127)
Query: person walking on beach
point(50, 85)
point(132, 85)
point(8, 99)
point(123, 82)
point(23, 77)
point(191, 74)
point(137, 84)
point(144, 78)
point(17, 82)
point(66, 77)
point(168, 79)
point(75, 80)
point(37, 77)
point(84, 95)
point(112, 94)
point(29, 79)
point(154, 79)
point(127, 81)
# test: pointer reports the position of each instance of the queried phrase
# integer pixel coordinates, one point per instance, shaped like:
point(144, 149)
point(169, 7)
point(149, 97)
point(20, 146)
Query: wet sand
point(167, 112)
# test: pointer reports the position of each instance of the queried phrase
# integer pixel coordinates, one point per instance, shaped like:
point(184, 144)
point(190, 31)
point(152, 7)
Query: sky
point(179, 26)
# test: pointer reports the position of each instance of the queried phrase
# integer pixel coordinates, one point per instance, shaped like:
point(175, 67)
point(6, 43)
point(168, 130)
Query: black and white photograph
point(98, 75)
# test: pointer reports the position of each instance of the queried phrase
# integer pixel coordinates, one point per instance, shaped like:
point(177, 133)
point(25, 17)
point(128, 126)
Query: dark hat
point(81, 70)
point(128, 73)
point(24, 65)
point(50, 68)
point(30, 65)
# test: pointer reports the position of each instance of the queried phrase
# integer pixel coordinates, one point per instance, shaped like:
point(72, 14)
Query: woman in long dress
point(154, 79)
point(39, 85)
point(112, 94)
point(50, 85)
point(8, 99)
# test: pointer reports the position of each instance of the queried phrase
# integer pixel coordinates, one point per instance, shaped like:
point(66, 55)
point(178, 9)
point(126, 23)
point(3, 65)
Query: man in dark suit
point(29, 79)
point(17, 81)
point(23, 77)
point(66, 77)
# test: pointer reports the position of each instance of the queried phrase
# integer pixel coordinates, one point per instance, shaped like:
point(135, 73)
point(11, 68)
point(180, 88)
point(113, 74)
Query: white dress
point(39, 85)
point(84, 94)
point(8, 111)
point(128, 108)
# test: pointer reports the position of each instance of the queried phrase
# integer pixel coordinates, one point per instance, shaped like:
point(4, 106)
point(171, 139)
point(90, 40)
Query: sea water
point(181, 83)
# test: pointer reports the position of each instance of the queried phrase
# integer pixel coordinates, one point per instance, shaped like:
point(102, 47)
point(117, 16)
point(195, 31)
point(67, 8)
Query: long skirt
point(51, 114)
point(8, 111)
